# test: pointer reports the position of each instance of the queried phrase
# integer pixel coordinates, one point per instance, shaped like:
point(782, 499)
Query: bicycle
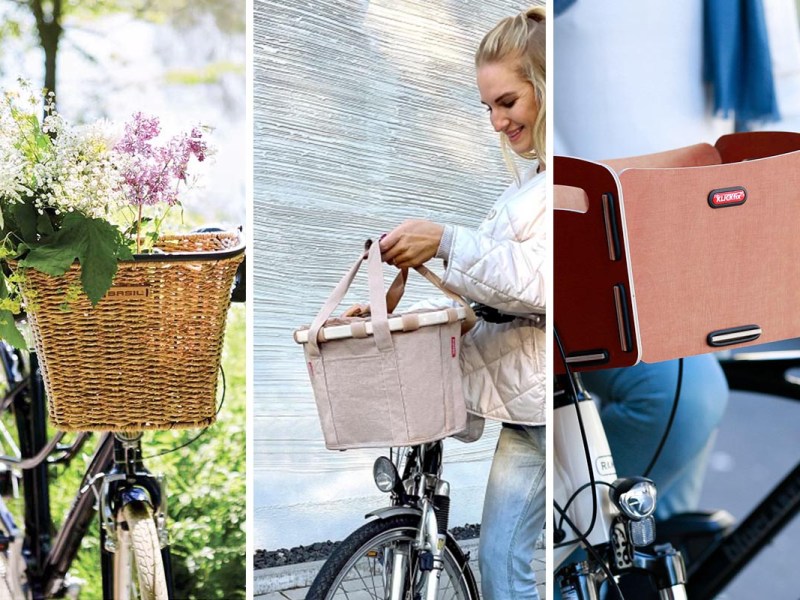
point(405, 552)
point(130, 500)
point(692, 555)
point(713, 547)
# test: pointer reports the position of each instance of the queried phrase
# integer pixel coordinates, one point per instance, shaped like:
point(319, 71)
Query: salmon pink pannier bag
point(388, 380)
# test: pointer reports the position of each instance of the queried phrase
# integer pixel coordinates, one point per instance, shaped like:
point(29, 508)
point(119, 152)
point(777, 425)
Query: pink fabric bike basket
point(677, 253)
point(389, 380)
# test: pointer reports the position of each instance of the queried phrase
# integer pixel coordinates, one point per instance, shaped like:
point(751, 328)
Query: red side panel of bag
point(594, 308)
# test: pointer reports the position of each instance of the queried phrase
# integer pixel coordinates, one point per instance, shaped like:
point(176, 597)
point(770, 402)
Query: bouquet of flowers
point(81, 193)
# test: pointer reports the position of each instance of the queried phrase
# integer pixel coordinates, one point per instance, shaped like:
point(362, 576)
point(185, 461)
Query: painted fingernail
point(383, 235)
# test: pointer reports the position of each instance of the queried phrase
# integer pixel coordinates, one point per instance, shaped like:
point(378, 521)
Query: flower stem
point(139, 231)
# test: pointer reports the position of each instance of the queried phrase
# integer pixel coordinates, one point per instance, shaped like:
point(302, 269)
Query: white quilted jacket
point(503, 264)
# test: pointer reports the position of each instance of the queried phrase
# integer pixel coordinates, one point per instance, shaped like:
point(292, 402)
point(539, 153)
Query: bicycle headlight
point(385, 474)
point(635, 497)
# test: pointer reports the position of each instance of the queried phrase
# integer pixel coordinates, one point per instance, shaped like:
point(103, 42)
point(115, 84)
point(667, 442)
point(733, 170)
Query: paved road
point(758, 443)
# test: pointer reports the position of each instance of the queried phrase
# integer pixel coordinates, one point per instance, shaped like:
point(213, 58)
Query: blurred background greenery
point(206, 492)
point(184, 62)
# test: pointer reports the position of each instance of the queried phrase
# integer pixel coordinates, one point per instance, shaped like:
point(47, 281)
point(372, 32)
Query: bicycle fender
point(136, 494)
point(391, 511)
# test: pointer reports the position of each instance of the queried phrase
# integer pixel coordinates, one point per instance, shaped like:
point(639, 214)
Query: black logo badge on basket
point(733, 196)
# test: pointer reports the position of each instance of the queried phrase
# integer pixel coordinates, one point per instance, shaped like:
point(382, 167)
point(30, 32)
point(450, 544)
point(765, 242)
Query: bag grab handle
point(384, 303)
point(377, 301)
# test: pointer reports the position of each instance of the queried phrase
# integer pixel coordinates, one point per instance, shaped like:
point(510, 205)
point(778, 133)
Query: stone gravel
point(265, 559)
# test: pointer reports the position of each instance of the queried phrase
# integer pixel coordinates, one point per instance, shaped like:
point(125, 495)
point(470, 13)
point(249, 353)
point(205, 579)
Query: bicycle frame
point(726, 557)
point(598, 523)
point(733, 549)
point(116, 462)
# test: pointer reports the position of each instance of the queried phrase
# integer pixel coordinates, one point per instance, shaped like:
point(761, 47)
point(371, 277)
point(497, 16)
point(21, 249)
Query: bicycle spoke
point(370, 571)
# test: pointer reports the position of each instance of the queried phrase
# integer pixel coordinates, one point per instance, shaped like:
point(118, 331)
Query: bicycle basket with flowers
point(127, 323)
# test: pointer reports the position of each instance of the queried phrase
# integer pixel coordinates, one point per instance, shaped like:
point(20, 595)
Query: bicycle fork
point(129, 481)
point(427, 548)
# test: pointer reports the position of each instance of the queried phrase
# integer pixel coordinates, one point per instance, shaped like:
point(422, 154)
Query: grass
point(206, 491)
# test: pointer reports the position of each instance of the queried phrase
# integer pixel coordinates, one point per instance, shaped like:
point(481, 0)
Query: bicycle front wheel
point(364, 566)
point(138, 564)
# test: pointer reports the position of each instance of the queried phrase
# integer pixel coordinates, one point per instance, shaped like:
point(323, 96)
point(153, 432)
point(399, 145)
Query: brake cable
point(670, 421)
point(584, 438)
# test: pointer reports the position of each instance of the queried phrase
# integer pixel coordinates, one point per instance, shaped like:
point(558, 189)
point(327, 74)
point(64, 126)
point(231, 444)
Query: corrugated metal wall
point(366, 113)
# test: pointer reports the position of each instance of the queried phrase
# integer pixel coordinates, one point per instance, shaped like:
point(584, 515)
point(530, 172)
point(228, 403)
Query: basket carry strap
point(392, 388)
point(469, 322)
point(380, 322)
point(398, 287)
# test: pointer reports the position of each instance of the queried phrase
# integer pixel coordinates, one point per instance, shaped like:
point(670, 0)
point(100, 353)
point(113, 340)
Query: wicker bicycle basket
point(147, 355)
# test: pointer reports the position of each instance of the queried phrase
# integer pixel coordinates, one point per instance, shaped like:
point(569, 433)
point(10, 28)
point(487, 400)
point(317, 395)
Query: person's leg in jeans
point(513, 515)
point(636, 404)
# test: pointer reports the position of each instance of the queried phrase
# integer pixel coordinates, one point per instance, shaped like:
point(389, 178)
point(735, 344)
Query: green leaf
point(95, 243)
point(9, 331)
point(99, 258)
point(125, 252)
point(44, 225)
point(58, 252)
point(25, 216)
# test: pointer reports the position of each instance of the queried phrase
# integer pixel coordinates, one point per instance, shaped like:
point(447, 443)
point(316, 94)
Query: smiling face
point(511, 101)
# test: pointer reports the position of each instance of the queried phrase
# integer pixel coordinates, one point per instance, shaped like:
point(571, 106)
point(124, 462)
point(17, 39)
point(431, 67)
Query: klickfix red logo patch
point(727, 197)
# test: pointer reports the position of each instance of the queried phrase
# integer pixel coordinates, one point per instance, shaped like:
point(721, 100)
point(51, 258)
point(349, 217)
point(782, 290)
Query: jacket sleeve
point(509, 274)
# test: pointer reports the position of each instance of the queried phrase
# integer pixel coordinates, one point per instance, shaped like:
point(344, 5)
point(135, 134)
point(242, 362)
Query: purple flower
point(151, 173)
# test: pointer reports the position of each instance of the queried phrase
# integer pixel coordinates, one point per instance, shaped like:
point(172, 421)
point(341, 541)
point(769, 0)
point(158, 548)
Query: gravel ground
point(265, 559)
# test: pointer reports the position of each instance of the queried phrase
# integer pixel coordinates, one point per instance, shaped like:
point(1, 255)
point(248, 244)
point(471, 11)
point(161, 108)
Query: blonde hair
point(522, 38)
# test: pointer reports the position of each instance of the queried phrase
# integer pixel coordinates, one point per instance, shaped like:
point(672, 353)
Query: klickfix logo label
point(727, 197)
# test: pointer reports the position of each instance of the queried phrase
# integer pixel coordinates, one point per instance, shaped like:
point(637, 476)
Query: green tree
point(50, 18)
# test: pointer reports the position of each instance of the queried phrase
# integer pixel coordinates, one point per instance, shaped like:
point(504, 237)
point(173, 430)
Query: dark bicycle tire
point(391, 529)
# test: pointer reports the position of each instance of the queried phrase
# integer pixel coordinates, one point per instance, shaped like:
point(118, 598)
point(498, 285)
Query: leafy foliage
point(206, 493)
point(94, 243)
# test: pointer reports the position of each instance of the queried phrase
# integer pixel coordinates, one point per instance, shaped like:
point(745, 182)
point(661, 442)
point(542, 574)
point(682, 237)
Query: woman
point(502, 266)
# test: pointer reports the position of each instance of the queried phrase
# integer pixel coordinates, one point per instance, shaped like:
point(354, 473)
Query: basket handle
point(471, 319)
point(377, 300)
point(398, 288)
point(381, 302)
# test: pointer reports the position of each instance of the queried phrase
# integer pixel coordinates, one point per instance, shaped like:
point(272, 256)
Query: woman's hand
point(357, 310)
point(411, 243)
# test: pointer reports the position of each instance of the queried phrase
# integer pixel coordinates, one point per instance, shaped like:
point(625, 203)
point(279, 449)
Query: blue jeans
point(635, 407)
point(513, 515)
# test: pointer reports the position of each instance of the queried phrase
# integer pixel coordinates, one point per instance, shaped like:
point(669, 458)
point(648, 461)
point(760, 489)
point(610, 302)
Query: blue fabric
point(513, 515)
point(635, 406)
point(737, 61)
point(559, 6)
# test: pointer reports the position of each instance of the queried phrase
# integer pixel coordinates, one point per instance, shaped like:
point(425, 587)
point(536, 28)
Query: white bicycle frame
point(571, 473)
